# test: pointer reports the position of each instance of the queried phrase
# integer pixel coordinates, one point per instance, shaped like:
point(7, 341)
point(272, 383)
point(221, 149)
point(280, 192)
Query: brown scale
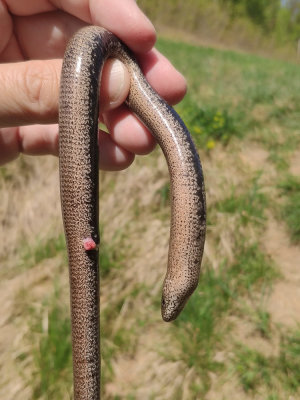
point(78, 149)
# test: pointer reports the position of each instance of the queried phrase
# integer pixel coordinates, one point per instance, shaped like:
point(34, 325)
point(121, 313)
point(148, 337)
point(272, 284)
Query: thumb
point(30, 90)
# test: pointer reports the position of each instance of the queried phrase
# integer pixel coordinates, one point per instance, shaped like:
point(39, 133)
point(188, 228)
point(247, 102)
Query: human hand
point(32, 43)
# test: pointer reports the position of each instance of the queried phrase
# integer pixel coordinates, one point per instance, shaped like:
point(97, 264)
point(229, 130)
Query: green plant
point(202, 326)
point(164, 194)
point(114, 339)
point(42, 250)
point(291, 207)
point(51, 339)
point(252, 268)
point(109, 259)
point(289, 359)
point(209, 125)
point(263, 323)
point(249, 204)
point(257, 370)
point(253, 368)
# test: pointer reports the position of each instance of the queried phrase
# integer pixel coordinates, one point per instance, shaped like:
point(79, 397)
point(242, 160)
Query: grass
point(113, 340)
point(198, 330)
point(256, 370)
point(252, 268)
point(290, 210)
point(231, 86)
point(209, 125)
point(42, 250)
point(50, 338)
point(50, 330)
point(164, 195)
point(262, 321)
point(249, 205)
point(252, 368)
point(110, 255)
point(203, 328)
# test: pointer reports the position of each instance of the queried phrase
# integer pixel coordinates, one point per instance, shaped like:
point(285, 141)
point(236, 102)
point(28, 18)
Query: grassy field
point(239, 336)
point(270, 28)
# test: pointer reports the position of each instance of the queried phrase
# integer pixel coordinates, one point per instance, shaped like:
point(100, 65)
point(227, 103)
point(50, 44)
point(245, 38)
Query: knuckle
point(40, 85)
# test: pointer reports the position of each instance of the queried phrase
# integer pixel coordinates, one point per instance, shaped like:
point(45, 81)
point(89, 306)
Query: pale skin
point(32, 42)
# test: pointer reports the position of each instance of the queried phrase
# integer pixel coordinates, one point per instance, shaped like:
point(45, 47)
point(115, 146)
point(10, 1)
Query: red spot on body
point(89, 244)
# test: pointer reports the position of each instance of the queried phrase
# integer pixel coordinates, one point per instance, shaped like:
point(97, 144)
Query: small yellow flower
point(197, 129)
point(221, 121)
point(210, 144)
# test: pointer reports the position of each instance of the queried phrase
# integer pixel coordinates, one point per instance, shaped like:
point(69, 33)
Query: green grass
point(253, 368)
point(290, 211)
point(164, 195)
point(199, 330)
point(203, 329)
point(252, 268)
point(262, 321)
point(50, 337)
point(289, 359)
point(249, 204)
point(113, 340)
point(209, 125)
point(232, 94)
point(110, 255)
point(256, 370)
point(42, 250)
point(50, 329)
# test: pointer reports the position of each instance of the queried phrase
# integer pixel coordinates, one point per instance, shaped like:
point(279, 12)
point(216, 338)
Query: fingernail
point(117, 81)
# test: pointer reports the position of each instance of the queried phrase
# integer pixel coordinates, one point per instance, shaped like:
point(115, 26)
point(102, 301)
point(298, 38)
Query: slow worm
point(78, 149)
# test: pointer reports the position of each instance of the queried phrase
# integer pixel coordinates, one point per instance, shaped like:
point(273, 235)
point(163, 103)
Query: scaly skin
point(78, 149)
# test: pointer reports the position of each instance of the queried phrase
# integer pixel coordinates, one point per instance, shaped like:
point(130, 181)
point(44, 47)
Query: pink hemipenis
point(89, 244)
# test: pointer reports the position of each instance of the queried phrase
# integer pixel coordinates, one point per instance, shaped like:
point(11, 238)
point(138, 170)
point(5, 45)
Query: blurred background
point(239, 335)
